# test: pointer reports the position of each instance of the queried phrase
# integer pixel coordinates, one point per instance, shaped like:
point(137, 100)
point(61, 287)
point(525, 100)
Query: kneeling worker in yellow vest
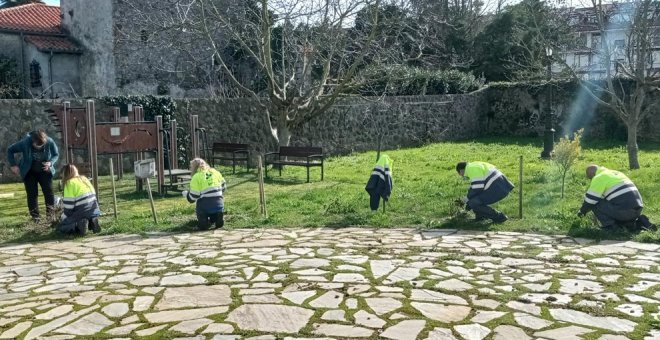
point(487, 186)
point(614, 199)
point(81, 209)
point(207, 188)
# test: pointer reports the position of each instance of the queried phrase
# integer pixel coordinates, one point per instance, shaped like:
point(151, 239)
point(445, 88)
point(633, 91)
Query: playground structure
point(198, 139)
point(81, 131)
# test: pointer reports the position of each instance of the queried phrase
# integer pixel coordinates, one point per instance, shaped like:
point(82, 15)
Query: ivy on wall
point(10, 81)
point(157, 106)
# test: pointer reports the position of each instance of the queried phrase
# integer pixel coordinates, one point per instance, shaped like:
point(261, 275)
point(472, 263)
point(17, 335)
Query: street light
point(549, 133)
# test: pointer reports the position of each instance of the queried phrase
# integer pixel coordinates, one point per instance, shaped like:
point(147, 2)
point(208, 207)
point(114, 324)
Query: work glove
point(184, 193)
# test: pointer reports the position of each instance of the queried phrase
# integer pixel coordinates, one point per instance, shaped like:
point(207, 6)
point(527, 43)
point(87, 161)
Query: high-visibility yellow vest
point(481, 175)
point(609, 184)
point(78, 192)
point(206, 183)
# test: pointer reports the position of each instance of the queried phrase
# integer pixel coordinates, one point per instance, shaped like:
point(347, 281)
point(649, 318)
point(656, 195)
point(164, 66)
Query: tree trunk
point(283, 134)
point(633, 161)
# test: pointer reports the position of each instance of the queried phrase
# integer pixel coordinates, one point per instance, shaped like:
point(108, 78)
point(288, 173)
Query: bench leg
point(281, 170)
point(266, 170)
point(233, 164)
point(307, 174)
point(321, 172)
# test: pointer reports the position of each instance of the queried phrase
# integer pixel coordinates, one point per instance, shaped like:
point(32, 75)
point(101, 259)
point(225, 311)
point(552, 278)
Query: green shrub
point(400, 80)
point(9, 79)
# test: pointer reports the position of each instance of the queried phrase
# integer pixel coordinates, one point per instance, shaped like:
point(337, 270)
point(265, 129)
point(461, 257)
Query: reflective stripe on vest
point(481, 174)
point(206, 183)
point(78, 191)
point(383, 167)
point(609, 184)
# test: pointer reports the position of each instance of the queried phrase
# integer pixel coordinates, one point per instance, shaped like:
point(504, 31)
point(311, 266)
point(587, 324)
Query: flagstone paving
point(330, 284)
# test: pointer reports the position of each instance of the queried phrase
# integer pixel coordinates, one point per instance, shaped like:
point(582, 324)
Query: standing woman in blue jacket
point(37, 167)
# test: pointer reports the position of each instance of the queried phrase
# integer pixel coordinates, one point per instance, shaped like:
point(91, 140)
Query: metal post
point(160, 159)
point(116, 115)
point(65, 132)
point(114, 190)
point(262, 190)
point(194, 135)
point(549, 133)
point(91, 141)
point(520, 188)
point(173, 152)
point(151, 200)
point(138, 117)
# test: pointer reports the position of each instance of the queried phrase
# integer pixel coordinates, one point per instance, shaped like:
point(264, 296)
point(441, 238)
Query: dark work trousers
point(45, 180)
point(204, 219)
point(609, 214)
point(480, 203)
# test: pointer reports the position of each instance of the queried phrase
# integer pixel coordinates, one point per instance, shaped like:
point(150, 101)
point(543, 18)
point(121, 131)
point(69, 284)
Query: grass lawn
point(425, 186)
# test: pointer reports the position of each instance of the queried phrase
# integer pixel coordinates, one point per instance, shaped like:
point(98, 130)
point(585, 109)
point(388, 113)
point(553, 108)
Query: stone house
point(48, 60)
point(588, 58)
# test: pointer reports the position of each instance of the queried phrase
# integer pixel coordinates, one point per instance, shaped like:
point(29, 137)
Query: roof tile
point(55, 44)
point(31, 18)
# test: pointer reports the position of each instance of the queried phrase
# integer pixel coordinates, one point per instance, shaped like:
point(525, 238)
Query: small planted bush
point(567, 151)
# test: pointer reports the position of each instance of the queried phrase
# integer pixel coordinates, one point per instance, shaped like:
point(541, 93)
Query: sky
point(52, 2)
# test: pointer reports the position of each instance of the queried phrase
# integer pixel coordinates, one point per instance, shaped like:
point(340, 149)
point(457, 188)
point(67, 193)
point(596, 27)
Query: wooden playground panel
point(81, 131)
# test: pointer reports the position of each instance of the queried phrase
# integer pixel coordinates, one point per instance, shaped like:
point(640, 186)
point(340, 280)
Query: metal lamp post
point(549, 133)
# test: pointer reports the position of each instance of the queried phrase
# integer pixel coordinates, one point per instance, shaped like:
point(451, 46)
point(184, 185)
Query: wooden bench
point(296, 156)
point(231, 152)
point(178, 178)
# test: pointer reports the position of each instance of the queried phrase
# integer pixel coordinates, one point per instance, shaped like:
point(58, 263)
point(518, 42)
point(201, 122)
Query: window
point(656, 39)
point(595, 41)
point(35, 74)
point(619, 65)
point(619, 44)
point(582, 41)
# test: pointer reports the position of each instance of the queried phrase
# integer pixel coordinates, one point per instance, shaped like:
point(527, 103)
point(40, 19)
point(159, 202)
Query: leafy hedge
point(401, 80)
point(157, 106)
point(10, 81)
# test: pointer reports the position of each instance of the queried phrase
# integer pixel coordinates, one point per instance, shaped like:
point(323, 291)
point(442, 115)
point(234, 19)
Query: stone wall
point(357, 124)
point(89, 22)
point(353, 124)
point(519, 111)
point(21, 116)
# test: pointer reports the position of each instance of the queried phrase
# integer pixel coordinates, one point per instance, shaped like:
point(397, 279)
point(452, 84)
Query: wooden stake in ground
point(520, 188)
point(114, 192)
point(151, 200)
point(262, 191)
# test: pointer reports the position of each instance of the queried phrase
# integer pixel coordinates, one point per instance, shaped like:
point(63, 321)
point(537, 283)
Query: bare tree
point(306, 53)
point(630, 78)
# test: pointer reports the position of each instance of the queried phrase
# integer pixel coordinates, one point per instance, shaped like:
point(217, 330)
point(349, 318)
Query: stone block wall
point(517, 111)
point(358, 124)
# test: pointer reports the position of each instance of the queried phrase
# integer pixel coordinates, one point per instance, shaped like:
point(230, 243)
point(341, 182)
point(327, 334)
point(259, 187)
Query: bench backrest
point(300, 151)
point(229, 147)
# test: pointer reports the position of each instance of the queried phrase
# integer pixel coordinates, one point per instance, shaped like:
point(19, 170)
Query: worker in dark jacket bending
point(487, 186)
point(380, 182)
point(614, 199)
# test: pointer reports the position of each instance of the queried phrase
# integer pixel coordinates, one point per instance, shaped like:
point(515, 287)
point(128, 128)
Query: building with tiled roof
point(48, 59)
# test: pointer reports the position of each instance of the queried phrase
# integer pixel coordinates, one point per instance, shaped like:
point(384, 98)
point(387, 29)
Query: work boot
point(644, 223)
point(221, 221)
point(612, 229)
point(94, 225)
point(81, 227)
point(501, 218)
point(479, 218)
